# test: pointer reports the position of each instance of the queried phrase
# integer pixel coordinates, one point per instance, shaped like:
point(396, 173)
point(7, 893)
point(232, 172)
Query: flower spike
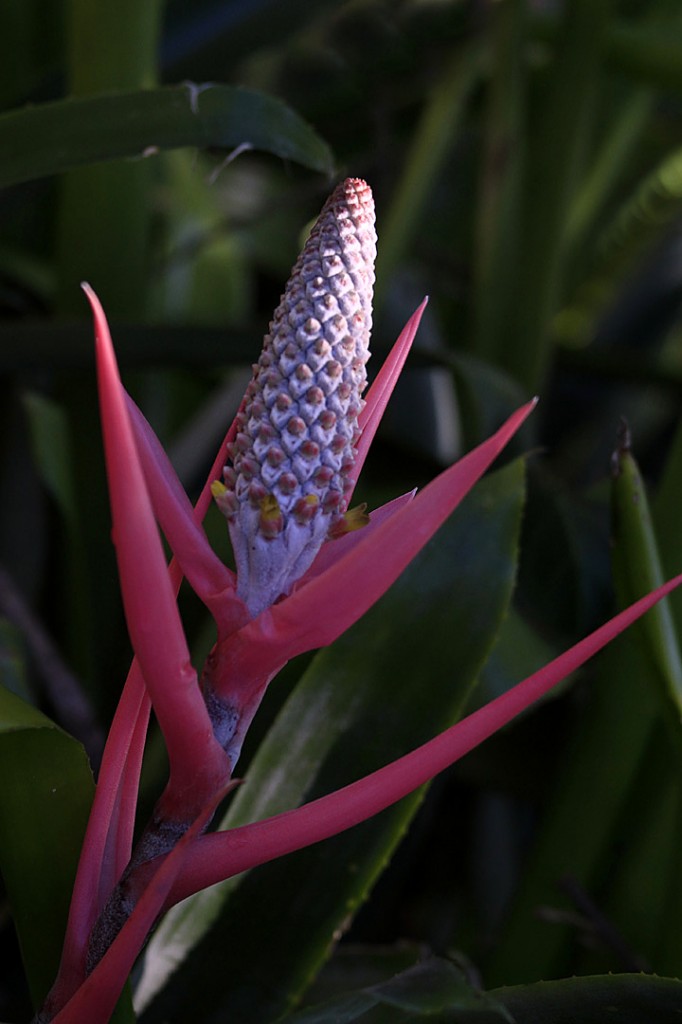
point(288, 481)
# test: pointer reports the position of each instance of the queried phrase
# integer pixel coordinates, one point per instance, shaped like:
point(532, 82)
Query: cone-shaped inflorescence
point(289, 473)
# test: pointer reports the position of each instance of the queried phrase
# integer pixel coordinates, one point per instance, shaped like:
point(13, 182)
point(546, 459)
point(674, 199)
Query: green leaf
point(600, 784)
point(215, 287)
point(638, 223)
point(12, 660)
point(486, 396)
point(54, 137)
point(397, 678)
point(438, 126)
point(570, 93)
point(643, 896)
point(51, 447)
point(616, 150)
point(434, 986)
point(519, 651)
point(599, 764)
point(637, 566)
point(69, 346)
point(435, 990)
point(611, 999)
point(498, 213)
point(666, 513)
point(104, 215)
point(359, 966)
point(46, 791)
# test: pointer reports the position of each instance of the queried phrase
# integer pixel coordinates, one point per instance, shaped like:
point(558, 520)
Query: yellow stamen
point(269, 509)
point(356, 518)
point(224, 499)
point(271, 520)
point(353, 519)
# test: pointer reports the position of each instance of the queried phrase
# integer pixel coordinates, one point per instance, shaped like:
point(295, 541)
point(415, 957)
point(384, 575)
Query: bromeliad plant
point(307, 567)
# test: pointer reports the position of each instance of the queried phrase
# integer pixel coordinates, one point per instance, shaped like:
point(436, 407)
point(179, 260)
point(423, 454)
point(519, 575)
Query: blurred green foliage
point(526, 162)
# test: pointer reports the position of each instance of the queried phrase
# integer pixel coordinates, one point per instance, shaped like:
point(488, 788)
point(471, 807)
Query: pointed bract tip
point(101, 326)
point(90, 292)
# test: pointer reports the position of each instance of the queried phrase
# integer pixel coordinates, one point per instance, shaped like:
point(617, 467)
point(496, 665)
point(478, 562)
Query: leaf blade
point(44, 800)
point(53, 137)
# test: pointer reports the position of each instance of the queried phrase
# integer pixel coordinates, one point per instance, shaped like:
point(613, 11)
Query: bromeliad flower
point(307, 568)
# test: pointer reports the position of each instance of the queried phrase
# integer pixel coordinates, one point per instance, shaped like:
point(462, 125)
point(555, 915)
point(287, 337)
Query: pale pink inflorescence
point(289, 474)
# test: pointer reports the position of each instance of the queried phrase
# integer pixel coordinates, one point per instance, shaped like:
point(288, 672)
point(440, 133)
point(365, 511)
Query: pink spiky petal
point(96, 998)
point(108, 840)
point(197, 762)
point(109, 833)
point(383, 386)
point(316, 613)
point(225, 854)
point(332, 552)
point(210, 579)
point(199, 563)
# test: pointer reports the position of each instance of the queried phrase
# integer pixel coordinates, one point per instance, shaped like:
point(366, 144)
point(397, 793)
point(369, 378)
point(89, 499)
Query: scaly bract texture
point(289, 473)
